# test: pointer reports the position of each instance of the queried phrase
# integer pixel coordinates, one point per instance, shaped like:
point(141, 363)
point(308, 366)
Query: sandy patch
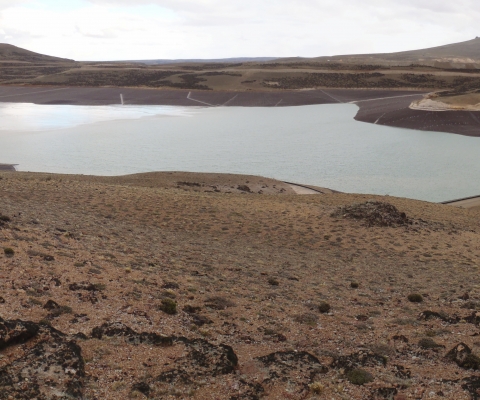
point(436, 105)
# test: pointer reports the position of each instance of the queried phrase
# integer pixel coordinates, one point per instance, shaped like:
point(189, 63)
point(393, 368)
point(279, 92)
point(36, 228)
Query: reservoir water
point(320, 145)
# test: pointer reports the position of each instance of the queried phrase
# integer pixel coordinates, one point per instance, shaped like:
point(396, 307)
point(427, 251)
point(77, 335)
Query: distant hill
point(456, 55)
point(10, 53)
point(205, 61)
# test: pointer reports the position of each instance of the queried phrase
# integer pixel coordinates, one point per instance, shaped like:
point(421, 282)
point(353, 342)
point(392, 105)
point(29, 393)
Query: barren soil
point(167, 286)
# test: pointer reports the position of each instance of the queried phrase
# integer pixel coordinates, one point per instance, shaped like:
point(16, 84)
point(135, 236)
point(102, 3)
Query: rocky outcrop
point(50, 367)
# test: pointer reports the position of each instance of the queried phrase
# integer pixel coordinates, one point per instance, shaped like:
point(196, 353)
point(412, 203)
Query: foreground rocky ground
point(198, 286)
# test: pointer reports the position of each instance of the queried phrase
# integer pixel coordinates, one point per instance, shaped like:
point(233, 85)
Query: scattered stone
point(354, 285)
point(401, 372)
point(92, 287)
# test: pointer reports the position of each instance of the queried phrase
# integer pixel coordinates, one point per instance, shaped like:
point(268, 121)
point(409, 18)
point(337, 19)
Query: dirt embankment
point(151, 286)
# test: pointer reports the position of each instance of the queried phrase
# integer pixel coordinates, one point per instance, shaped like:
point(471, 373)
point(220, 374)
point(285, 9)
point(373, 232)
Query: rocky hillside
point(192, 286)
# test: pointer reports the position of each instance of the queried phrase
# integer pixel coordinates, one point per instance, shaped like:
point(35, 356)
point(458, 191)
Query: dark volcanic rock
point(472, 386)
point(142, 387)
point(52, 367)
point(4, 220)
point(51, 305)
point(385, 393)
point(203, 360)
point(16, 332)
point(294, 369)
point(121, 330)
point(248, 391)
point(374, 213)
point(463, 356)
point(474, 318)
point(361, 359)
point(427, 315)
point(200, 320)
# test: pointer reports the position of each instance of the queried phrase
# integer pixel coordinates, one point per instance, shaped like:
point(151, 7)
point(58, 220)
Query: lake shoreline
point(382, 107)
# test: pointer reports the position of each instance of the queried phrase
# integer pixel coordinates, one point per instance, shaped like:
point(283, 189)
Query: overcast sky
point(153, 29)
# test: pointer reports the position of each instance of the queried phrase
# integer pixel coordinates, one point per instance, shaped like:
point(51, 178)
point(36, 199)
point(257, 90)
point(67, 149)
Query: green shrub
point(9, 252)
point(307, 318)
point(168, 306)
point(359, 376)
point(415, 298)
point(428, 343)
point(273, 282)
point(324, 307)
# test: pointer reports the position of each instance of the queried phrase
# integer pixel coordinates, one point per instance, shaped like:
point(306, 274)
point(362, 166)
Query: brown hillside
point(450, 55)
point(9, 52)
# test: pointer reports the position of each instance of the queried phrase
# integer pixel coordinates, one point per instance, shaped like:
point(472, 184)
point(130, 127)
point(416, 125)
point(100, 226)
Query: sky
point(174, 29)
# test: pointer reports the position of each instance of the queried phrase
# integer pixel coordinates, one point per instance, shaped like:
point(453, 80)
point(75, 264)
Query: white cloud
point(140, 29)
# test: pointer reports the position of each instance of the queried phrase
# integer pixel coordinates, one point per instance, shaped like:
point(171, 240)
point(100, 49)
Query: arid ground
point(177, 285)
